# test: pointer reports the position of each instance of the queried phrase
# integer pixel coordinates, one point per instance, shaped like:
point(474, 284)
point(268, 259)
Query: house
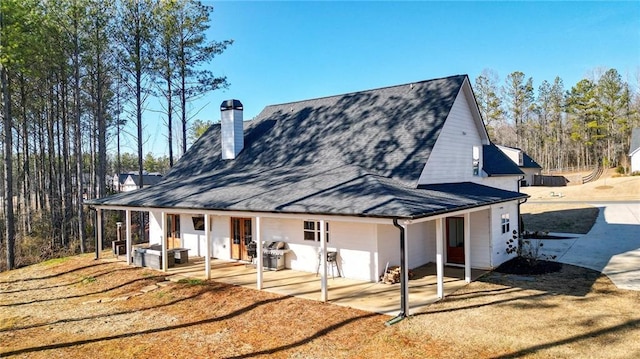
point(126, 182)
point(527, 165)
point(634, 150)
point(402, 175)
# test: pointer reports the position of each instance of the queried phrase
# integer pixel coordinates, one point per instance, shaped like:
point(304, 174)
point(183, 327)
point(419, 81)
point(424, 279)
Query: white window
point(504, 221)
point(312, 231)
point(476, 160)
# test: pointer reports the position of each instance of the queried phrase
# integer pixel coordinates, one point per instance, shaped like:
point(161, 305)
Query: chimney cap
point(231, 105)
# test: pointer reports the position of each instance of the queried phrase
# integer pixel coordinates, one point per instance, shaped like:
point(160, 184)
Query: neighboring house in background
point(526, 164)
point(126, 182)
point(634, 150)
point(357, 174)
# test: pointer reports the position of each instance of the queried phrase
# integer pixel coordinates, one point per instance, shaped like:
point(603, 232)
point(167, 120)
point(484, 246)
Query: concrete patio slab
point(368, 296)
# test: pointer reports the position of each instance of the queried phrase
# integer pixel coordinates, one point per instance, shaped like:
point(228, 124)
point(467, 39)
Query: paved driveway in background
point(612, 246)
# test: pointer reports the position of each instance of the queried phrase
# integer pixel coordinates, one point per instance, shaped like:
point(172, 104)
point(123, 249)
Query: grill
point(273, 255)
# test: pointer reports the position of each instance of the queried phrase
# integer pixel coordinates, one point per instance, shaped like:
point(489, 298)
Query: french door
point(173, 231)
point(455, 240)
point(241, 236)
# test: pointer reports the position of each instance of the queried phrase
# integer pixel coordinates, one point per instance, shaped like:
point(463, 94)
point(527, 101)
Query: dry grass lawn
point(78, 307)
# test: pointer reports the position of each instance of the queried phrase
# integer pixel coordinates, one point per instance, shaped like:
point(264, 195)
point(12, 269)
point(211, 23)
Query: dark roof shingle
point(357, 154)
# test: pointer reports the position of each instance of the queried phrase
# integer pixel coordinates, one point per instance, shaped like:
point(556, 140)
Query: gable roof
point(497, 163)
point(635, 140)
point(149, 179)
point(358, 154)
point(527, 161)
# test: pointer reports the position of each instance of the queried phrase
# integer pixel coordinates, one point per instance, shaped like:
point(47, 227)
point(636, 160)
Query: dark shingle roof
point(358, 154)
point(147, 178)
point(528, 162)
point(635, 140)
point(497, 163)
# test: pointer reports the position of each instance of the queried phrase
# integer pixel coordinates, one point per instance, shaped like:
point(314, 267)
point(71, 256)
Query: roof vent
point(232, 134)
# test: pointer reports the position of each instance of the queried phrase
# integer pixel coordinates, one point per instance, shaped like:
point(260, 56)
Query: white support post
point(207, 251)
point(163, 240)
point(128, 235)
point(440, 258)
point(259, 254)
point(324, 296)
point(467, 247)
point(99, 233)
point(259, 260)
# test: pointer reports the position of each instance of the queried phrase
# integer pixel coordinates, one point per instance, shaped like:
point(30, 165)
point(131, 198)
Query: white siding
point(155, 227)
point(509, 183)
point(220, 237)
point(388, 247)
point(451, 158)
point(354, 242)
point(421, 243)
point(304, 254)
point(528, 174)
point(512, 153)
point(480, 239)
point(499, 241)
point(190, 238)
point(635, 161)
point(356, 246)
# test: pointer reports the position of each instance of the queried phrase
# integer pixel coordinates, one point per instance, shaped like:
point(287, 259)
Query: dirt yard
point(78, 307)
point(605, 189)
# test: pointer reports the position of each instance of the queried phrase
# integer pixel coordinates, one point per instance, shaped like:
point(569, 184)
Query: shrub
point(527, 248)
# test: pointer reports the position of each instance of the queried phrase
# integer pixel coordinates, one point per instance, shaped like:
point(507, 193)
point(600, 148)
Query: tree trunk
point(8, 169)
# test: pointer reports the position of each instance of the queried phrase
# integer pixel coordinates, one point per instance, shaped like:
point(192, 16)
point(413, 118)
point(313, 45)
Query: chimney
point(232, 136)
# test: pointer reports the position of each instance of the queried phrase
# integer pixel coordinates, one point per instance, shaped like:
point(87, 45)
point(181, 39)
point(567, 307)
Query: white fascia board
point(449, 214)
point(475, 111)
point(302, 216)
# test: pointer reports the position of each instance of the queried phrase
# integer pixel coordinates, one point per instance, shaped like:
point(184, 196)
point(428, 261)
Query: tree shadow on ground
point(576, 220)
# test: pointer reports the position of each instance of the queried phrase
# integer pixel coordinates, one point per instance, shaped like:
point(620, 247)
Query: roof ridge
point(363, 91)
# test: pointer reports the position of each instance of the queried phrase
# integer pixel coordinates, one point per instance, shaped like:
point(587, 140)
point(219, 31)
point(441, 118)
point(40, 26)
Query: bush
point(526, 248)
point(621, 170)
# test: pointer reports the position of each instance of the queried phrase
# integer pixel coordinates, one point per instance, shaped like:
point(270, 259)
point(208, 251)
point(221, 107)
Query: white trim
point(452, 214)
point(246, 214)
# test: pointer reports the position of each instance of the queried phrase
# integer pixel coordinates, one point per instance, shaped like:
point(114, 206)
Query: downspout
point(403, 283)
point(95, 232)
point(520, 230)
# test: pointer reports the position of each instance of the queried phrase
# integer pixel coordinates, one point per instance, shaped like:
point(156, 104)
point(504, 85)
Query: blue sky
point(289, 51)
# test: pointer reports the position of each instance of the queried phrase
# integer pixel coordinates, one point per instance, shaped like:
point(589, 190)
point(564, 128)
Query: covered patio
point(368, 296)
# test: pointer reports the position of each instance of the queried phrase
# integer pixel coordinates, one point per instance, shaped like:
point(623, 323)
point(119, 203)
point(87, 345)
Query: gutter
point(403, 281)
